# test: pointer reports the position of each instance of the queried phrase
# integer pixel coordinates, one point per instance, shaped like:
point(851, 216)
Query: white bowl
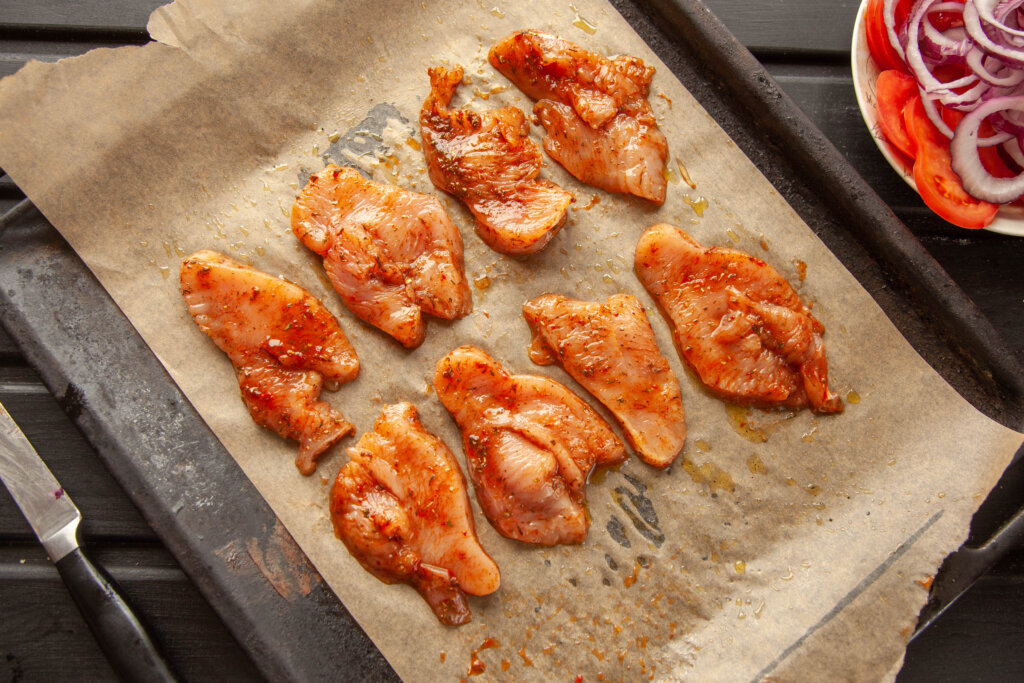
point(1009, 220)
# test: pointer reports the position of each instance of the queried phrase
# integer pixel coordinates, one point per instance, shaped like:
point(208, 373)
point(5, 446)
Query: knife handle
point(122, 638)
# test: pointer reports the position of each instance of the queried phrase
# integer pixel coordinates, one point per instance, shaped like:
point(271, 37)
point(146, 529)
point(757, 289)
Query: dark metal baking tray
point(110, 383)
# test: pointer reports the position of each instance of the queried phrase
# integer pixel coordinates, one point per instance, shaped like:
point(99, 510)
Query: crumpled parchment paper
point(780, 544)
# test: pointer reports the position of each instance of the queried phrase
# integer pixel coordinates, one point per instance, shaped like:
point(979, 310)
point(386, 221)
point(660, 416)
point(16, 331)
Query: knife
point(54, 518)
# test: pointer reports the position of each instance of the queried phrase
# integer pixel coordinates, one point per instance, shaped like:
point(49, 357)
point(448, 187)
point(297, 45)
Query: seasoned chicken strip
point(738, 324)
point(610, 350)
point(391, 254)
point(284, 344)
point(599, 123)
point(401, 508)
point(530, 445)
point(489, 162)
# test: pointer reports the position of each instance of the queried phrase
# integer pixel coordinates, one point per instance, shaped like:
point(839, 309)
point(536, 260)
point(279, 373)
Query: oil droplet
point(756, 465)
point(758, 610)
point(684, 173)
point(496, 11)
point(165, 272)
point(853, 397)
point(444, 655)
point(756, 425)
point(334, 137)
point(733, 237)
point(710, 474)
point(740, 566)
point(801, 270)
point(581, 23)
point(698, 204)
point(813, 489)
point(702, 445)
point(739, 418)
point(482, 282)
point(564, 272)
point(608, 279)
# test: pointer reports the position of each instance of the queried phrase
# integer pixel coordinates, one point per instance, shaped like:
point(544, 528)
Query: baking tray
point(224, 534)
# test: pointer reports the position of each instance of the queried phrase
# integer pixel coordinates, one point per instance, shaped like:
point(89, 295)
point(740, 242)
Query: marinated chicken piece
point(738, 324)
point(599, 123)
point(401, 508)
point(530, 445)
point(610, 350)
point(284, 344)
point(391, 254)
point(488, 160)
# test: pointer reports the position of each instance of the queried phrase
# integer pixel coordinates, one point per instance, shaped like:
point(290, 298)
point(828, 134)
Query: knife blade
point(54, 519)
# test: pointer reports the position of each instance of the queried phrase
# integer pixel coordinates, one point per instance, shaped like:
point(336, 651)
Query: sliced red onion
point(953, 42)
point(977, 181)
point(972, 24)
point(1006, 121)
point(1013, 150)
point(995, 12)
point(934, 116)
point(889, 19)
point(1003, 77)
point(915, 60)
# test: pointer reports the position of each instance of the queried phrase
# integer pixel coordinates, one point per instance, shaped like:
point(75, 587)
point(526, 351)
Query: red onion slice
point(1013, 150)
point(972, 24)
point(1003, 77)
point(978, 182)
point(889, 19)
point(995, 12)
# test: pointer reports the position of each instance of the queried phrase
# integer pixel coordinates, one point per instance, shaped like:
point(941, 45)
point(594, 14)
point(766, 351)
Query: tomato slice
point(893, 91)
point(937, 183)
point(947, 20)
point(881, 50)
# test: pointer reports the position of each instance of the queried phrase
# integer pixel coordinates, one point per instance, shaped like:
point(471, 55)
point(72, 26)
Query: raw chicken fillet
point(738, 324)
point(610, 350)
point(391, 254)
point(401, 508)
point(599, 123)
point(284, 344)
point(488, 160)
point(530, 445)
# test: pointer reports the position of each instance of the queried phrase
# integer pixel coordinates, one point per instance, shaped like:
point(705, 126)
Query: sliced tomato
point(937, 183)
point(881, 49)
point(944, 21)
point(893, 91)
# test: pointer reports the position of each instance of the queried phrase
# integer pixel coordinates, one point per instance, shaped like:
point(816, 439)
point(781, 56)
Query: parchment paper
point(798, 549)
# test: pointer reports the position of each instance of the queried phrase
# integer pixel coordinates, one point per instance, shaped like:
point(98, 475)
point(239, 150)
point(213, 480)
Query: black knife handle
point(122, 638)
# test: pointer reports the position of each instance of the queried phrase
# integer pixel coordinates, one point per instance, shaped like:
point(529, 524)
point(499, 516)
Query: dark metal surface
point(221, 531)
